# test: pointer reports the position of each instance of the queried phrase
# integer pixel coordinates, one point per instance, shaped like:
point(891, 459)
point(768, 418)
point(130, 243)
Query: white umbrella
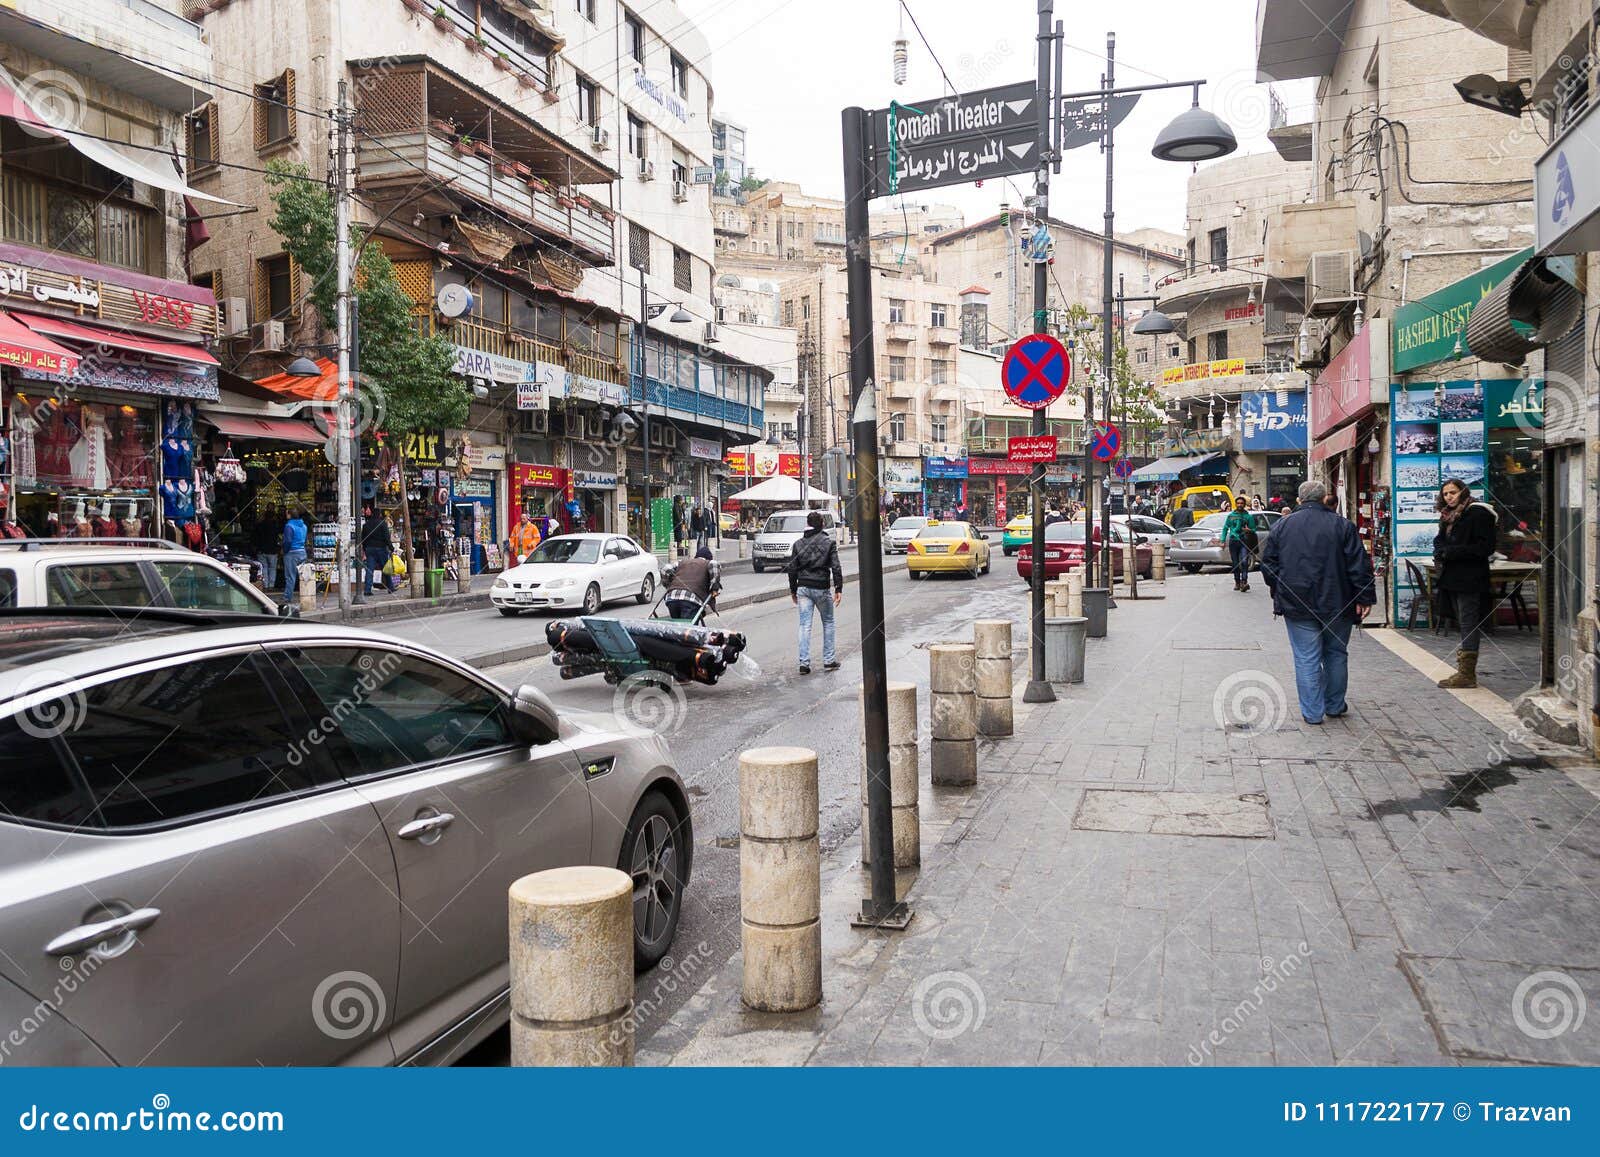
point(781, 488)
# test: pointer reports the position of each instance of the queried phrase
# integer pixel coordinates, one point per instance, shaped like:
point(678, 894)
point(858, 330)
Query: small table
point(1502, 573)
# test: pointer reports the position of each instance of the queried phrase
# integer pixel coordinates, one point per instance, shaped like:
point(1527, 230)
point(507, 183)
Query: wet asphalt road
point(764, 701)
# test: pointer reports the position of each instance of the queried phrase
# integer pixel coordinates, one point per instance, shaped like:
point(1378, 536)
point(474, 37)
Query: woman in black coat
point(1462, 548)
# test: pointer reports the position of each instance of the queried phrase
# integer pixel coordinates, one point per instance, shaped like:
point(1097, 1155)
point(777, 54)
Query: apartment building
point(104, 343)
point(778, 228)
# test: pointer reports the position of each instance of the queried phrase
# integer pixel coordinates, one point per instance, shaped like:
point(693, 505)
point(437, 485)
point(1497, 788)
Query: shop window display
point(81, 467)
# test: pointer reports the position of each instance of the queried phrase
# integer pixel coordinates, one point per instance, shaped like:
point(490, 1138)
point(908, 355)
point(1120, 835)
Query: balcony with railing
point(509, 341)
point(1182, 290)
point(422, 127)
point(942, 335)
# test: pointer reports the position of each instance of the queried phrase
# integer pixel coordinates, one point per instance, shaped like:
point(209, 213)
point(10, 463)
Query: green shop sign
point(1425, 330)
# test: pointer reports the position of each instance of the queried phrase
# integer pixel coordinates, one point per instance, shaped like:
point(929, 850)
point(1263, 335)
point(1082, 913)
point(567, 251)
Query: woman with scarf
point(1461, 551)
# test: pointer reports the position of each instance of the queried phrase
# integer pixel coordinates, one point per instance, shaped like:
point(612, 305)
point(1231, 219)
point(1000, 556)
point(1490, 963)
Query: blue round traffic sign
point(1123, 468)
point(1105, 442)
point(1035, 371)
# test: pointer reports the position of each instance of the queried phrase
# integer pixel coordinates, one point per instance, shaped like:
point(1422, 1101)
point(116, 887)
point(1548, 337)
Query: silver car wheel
point(655, 881)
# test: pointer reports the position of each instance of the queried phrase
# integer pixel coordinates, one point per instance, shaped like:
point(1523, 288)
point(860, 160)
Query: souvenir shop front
point(99, 432)
point(989, 485)
point(477, 489)
point(944, 485)
point(539, 491)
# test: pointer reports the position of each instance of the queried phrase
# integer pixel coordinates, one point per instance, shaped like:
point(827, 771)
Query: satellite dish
point(454, 300)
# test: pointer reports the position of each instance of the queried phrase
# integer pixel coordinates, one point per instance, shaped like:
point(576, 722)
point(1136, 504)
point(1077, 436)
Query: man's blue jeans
point(1321, 666)
point(821, 601)
point(291, 573)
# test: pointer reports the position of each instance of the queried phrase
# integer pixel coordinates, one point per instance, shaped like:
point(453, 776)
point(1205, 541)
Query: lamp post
point(679, 317)
point(1194, 135)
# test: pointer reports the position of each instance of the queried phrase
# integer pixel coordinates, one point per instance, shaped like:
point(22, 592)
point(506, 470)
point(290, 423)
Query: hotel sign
point(1426, 330)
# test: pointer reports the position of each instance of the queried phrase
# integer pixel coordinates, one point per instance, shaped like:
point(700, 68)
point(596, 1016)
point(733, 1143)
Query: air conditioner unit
point(647, 169)
point(235, 317)
point(269, 336)
point(926, 448)
point(602, 138)
point(1314, 355)
point(680, 190)
point(669, 438)
point(1330, 283)
point(535, 421)
point(710, 337)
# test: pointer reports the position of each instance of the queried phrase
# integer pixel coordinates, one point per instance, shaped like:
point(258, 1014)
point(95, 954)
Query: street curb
point(507, 655)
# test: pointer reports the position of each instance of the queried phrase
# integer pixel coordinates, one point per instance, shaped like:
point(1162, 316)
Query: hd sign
point(1269, 426)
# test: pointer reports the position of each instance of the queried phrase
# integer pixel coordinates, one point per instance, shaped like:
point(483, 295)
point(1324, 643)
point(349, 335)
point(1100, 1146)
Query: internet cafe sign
point(1427, 330)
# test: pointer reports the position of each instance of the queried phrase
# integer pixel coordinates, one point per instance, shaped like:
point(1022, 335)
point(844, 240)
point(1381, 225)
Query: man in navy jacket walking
point(1321, 581)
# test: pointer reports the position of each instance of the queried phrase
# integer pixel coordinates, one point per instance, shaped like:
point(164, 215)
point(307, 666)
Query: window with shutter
point(278, 288)
point(204, 139)
point(275, 120)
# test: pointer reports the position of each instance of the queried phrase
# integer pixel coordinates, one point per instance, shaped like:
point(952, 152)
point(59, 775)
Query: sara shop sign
point(160, 304)
point(1426, 330)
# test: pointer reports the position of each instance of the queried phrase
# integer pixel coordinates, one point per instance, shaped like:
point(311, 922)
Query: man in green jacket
point(1239, 535)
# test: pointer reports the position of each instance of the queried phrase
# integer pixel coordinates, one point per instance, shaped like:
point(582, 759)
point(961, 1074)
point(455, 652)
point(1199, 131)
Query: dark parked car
point(1063, 550)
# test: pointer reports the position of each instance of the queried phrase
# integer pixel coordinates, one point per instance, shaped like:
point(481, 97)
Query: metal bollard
point(1158, 562)
point(1095, 606)
point(1074, 607)
point(991, 641)
point(902, 780)
point(572, 968)
point(953, 714)
point(780, 879)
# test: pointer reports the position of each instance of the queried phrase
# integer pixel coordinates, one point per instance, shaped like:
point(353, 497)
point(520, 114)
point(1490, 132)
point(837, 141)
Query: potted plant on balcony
point(441, 18)
point(505, 166)
point(418, 6)
point(442, 127)
point(550, 95)
point(464, 145)
point(527, 80)
point(502, 60)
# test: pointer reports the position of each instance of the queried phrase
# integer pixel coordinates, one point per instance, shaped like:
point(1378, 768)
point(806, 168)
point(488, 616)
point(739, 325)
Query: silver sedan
point(1201, 545)
point(234, 840)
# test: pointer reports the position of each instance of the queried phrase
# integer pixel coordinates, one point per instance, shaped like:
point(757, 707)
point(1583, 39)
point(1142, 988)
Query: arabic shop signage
point(937, 467)
point(587, 389)
point(977, 466)
point(1512, 402)
point(181, 309)
point(471, 363)
point(1426, 330)
point(1202, 371)
point(1194, 442)
point(1269, 426)
point(545, 477)
point(593, 480)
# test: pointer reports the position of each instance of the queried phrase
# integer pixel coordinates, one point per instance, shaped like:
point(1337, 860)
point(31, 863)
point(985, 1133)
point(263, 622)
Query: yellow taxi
point(1019, 533)
point(947, 546)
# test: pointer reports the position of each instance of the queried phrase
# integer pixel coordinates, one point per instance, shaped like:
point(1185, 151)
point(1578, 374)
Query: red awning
point(25, 350)
point(319, 389)
point(1335, 443)
point(176, 351)
point(275, 429)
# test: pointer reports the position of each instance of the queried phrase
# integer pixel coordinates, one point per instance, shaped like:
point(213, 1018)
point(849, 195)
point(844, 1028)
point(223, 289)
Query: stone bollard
point(953, 714)
point(780, 879)
point(991, 640)
point(306, 592)
point(572, 968)
point(902, 780)
point(1158, 562)
point(744, 547)
point(1074, 607)
point(1129, 561)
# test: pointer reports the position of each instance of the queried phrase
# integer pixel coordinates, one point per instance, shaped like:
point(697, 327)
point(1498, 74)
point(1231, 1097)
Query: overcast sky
point(784, 69)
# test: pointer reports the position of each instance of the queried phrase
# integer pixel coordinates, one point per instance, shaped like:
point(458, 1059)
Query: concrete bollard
point(744, 547)
point(1129, 562)
point(306, 592)
point(1158, 562)
point(780, 879)
point(572, 968)
point(902, 780)
point(1074, 607)
point(991, 641)
point(1064, 644)
point(953, 713)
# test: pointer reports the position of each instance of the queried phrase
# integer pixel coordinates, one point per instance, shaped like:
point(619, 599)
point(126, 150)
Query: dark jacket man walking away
point(816, 583)
point(1462, 549)
point(377, 544)
point(1321, 583)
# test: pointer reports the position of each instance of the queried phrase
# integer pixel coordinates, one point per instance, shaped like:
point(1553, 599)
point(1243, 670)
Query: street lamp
point(1194, 135)
point(303, 367)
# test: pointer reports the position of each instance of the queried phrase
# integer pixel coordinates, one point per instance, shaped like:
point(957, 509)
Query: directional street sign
point(1035, 371)
point(1123, 468)
point(1083, 121)
point(951, 140)
point(1105, 442)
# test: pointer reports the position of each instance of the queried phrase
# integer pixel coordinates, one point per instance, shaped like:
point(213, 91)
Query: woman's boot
point(1466, 671)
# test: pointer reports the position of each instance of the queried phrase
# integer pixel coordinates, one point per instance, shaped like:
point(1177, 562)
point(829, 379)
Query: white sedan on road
point(578, 571)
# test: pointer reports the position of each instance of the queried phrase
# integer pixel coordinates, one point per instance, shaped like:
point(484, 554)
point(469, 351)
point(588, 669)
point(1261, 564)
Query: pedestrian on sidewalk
point(1461, 549)
point(294, 552)
point(816, 583)
point(377, 544)
point(1239, 533)
point(1321, 582)
point(266, 539)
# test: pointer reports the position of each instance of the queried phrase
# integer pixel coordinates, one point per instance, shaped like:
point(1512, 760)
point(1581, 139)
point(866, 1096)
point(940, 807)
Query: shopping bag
point(395, 567)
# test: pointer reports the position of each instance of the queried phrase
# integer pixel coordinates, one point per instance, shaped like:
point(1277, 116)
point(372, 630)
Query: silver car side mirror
point(533, 715)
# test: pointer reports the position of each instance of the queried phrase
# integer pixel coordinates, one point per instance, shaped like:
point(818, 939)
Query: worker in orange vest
point(525, 537)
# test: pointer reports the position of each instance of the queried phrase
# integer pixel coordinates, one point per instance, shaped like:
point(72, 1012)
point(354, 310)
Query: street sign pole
point(1039, 689)
point(881, 910)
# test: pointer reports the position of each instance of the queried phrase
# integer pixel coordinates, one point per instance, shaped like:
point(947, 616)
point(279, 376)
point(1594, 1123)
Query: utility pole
point(1039, 689)
point(344, 554)
point(644, 407)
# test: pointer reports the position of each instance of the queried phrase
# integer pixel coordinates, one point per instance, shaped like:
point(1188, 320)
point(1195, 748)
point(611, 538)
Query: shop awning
point(324, 388)
point(273, 429)
point(176, 351)
point(1335, 443)
point(1168, 469)
point(23, 349)
point(781, 489)
point(148, 167)
point(1527, 311)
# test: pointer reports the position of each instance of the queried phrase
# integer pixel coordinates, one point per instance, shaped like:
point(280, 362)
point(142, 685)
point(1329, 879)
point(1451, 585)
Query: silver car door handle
point(418, 828)
point(86, 936)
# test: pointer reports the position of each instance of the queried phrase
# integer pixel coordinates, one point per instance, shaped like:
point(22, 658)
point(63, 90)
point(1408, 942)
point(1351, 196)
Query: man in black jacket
point(1321, 581)
point(377, 544)
point(816, 583)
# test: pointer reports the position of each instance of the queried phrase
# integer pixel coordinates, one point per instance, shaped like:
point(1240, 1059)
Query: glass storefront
point(79, 465)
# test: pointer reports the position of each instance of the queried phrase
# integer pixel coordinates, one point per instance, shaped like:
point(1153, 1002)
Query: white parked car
point(777, 538)
point(897, 538)
point(1152, 530)
point(110, 572)
point(578, 572)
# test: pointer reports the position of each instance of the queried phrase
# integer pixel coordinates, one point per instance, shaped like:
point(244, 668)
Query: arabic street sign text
point(954, 139)
point(1033, 448)
point(1083, 121)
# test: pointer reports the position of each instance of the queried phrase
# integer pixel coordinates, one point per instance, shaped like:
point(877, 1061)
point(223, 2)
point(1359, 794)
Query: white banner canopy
point(782, 489)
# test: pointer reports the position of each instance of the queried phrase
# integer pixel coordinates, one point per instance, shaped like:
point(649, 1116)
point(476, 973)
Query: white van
point(781, 531)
